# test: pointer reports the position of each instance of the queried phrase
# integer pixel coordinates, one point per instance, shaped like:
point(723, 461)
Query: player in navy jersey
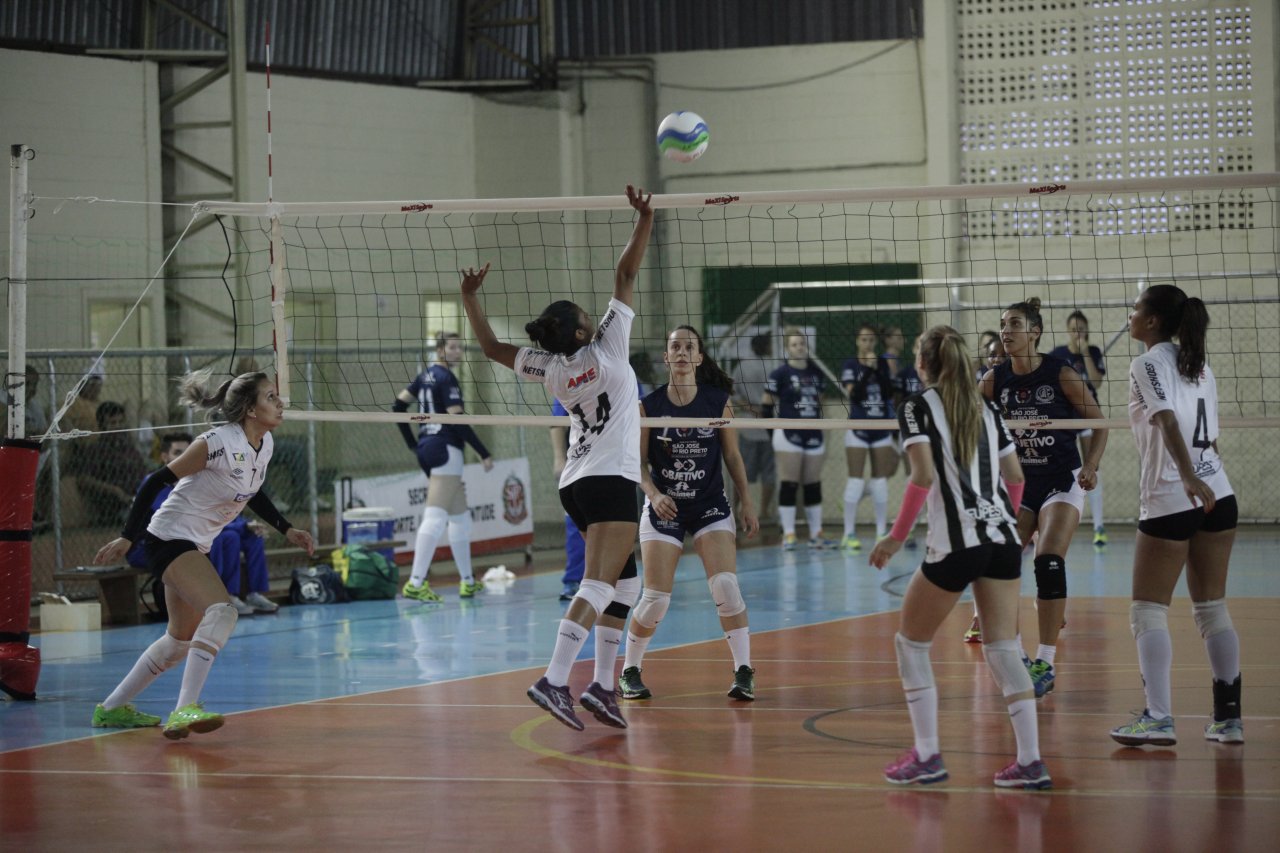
point(794, 390)
point(439, 451)
point(868, 382)
point(586, 367)
point(1032, 386)
point(1187, 515)
point(960, 451)
point(684, 490)
point(1086, 359)
point(218, 475)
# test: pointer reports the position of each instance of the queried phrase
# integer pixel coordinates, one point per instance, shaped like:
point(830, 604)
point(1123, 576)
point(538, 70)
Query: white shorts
point(781, 445)
point(851, 439)
point(453, 467)
point(648, 533)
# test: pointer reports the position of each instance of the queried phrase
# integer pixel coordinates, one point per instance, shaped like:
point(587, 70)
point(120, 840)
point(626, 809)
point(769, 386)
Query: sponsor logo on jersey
point(582, 379)
point(606, 323)
point(1044, 394)
point(985, 512)
point(909, 417)
point(533, 371)
point(214, 454)
point(238, 457)
point(1154, 378)
point(241, 498)
point(580, 451)
point(714, 512)
point(238, 471)
point(515, 507)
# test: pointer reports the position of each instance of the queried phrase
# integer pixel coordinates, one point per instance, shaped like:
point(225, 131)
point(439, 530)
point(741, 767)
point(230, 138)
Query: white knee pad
point(215, 628)
point(1004, 659)
point(434, 520)
point(852, 490)
point(913, 663)
point(726, 594)
point(596, 593)
point(1147, 616)
point(1211, 617)
point(627, 591)
point(460, 527)
point(879, 489)
point(653, 606)
point(167, 652)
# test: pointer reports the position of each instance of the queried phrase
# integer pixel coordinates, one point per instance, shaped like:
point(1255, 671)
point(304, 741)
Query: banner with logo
point(499, 500)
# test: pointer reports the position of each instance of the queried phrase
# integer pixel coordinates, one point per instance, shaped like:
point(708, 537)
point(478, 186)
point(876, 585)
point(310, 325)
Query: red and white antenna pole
point(279, 338)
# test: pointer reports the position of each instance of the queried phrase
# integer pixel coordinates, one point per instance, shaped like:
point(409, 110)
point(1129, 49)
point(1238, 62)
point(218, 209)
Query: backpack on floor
point(369, 575)
point(317, 584)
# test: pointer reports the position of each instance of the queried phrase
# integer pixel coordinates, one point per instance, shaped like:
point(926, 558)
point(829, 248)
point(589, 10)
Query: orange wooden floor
point(472, 765)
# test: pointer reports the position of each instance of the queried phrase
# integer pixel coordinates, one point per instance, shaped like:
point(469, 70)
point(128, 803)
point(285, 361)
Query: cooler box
point(370, 524)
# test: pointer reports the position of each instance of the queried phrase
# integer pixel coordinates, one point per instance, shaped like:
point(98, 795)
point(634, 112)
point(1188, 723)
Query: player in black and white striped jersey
point(960, 450)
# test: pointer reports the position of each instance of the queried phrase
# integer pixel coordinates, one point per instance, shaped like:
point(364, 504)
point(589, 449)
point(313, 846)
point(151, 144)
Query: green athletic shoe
point(191, 718)
point(630, 685)
point(124, 717)
point(468, 589)
point(850, 543)
point(1146, 730)
point(420, 593)
point(1225, 731)
point(1099, 537)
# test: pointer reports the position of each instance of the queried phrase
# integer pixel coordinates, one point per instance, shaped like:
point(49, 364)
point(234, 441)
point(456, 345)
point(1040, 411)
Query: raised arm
point(494, 349)
point(624, 283)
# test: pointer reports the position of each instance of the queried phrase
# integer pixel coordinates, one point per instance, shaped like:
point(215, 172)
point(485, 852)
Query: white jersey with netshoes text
point(597, 387)
point(1156, 386)
point(201, 505)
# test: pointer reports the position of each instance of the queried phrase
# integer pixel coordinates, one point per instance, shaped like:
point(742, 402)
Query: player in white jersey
point(960, 449)
point(218, 475)
point(588, 370)
point(1187, 516)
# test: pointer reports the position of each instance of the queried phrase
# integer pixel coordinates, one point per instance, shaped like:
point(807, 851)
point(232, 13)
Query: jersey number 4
point(1200, 438)
point(603, 407)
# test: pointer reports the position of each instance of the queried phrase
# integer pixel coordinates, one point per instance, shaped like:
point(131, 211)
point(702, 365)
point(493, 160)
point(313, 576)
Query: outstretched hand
point(638, 200)
point(301, 539)
point(473, 278)
point(884, 551)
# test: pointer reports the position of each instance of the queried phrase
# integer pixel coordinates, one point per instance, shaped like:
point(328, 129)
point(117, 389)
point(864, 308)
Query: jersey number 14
point(603, 407)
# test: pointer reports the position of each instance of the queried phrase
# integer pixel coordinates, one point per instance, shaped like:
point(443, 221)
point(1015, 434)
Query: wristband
point(912, 500)
point(1015, 494)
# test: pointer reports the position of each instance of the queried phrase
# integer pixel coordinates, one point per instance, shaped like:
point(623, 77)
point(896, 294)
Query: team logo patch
point(1022, 395)
point(238, 457)
point(515, 505)
point(1044, 394)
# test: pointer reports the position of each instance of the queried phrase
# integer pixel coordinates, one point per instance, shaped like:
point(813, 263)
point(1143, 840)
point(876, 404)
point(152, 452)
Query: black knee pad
point(1051, 577)
point(629, 570)
point(787, 493)
point(812, 494)
point(617, 609)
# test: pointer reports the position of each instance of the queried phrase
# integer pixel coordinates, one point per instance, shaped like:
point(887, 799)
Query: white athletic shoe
point(260, 603)
point(241, 607)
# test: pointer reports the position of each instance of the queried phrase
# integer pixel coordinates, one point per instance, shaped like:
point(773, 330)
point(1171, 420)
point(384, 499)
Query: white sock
point(787, 518)
point(430, 529)
point(879, 488)
point(1025, 731)
point(852, 494)
point(139, 678)
point(1046, 653)
point(1155, 657)
point(569, 641)
point(199, 662)
point(607, 642)
point(1022, 650)
point(740, 646)
point(922, 705)
point(813, 515)
point(636, 647)
point(460, 544)
point(1224, 655)
point(1095, 504)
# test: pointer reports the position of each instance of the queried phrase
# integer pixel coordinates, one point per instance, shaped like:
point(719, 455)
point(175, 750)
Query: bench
point(117, 590)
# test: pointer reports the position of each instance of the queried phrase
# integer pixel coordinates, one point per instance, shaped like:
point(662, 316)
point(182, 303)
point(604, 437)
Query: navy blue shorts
point(690, 519)
point(1041, 487)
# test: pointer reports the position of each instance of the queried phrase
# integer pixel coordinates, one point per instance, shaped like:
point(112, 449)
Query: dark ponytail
point(1183, 317)
point(708, 373)
point(554, 329)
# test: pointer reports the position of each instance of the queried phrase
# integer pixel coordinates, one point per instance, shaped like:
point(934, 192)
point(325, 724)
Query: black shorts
point(591, 500)
point(1181, 526)
point(162, 552)
point(954, 572)
point(1041, 487)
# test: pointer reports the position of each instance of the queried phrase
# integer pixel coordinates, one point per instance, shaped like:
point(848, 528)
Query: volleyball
point(683, 136)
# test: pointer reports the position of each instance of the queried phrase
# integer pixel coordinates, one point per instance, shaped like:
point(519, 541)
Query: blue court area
point(316, 652)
